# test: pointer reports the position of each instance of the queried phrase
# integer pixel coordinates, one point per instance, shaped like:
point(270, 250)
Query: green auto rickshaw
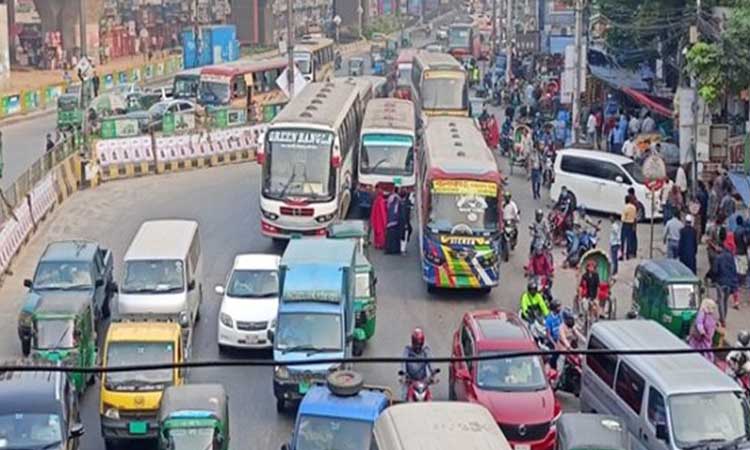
point(365, 299)
point(667, 291)
point(63, 332)
point(194, 416)
point(576, 431)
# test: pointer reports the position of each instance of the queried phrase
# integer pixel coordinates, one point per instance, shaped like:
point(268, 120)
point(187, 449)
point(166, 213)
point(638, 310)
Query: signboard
point(528, 42)
point(172, 123)
point(569, 74)
point(84, 67)
point(236, 117)
point(299, 82)
point(301, 138)
point(464, 187)
point(654, 168)
point(119, 127)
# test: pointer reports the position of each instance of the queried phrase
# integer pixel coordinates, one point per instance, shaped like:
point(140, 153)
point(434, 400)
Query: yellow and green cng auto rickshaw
point(63, 332)
point(365, 300)
point(194, 416)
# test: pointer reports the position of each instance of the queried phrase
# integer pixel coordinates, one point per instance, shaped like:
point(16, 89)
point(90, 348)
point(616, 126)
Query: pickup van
point(338, 414)
point(316, 313)
point(67, 271)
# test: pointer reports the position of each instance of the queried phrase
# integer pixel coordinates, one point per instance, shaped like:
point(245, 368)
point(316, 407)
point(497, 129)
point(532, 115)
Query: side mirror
point(661, 432)
point(270, 335)
point(76, 430)
point(27, 283)
point(99, 283)
point(191, 285)
point(219, 289)
point(619, 179)
point(184, 319)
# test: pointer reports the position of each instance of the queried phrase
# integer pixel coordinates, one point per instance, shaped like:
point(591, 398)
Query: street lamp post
point(337, 23)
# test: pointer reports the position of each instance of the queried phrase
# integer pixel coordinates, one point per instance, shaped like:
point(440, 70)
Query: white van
point(162, 272)
point(667, 402)
point(600, 181)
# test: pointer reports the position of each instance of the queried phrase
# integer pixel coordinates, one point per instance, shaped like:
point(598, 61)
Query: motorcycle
point(539, 333)
point(558, 224)
point(510, 238)
point(735, 370)
point(418, 390)
point(569, 379)
point(579, 244)
point(548, 172)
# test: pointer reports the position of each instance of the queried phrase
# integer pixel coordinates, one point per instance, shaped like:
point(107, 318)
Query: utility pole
point(494, 29)
point(694, 85)
point(577, 79)
point(290, 46)
point(509, 36)
point(82, 25)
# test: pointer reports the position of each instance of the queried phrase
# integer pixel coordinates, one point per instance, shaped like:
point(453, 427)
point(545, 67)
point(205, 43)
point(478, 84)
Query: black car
point(38, 410)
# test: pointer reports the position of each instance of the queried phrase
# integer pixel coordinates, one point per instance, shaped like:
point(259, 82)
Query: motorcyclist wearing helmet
point(532, 303)
point(510, 209)
point(738, 361)
point(570, 336)
point(417, 370)
point(552, 323)
point(539, 229)
point(539, 266)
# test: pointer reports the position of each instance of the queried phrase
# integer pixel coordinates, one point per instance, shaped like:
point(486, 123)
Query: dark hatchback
point(38, 411)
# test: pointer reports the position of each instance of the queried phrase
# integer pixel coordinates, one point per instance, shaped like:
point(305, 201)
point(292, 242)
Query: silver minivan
point(675, 401)
point(162, 272)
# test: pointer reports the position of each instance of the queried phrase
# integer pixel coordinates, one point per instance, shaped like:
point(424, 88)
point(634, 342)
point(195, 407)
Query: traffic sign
point(299, 82)
point(654, 185)
point(83, 67)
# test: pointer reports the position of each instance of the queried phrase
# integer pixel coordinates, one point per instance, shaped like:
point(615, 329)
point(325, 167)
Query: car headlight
point(325, 218)
point(226, 320)
point(281, 372)
point(273, 324)
point(112, 413)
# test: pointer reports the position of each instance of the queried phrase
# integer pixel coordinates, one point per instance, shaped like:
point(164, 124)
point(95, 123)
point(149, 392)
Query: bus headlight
point(325, 218)
point(269, 215)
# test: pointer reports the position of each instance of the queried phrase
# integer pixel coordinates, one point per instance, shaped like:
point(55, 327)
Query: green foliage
point(704, 62)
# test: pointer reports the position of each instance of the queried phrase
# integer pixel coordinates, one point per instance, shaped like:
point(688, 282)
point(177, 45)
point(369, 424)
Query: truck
point(338, 414)
point(316, 313)
point(66, 271)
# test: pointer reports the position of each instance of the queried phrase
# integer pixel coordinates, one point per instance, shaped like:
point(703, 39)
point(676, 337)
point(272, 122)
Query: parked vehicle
point(365, 297)
point(577, 431)
point(662, 400)
point(250, 302)
point(64, 332)
point(316, 313)
point(523, 404)
point(601, 181)
point(194, 416)
point(157, 112)
point(129, 401)
point(67, 271)
point(338, 414)
point(667, 291)
point(356, 67)
point(38, 410)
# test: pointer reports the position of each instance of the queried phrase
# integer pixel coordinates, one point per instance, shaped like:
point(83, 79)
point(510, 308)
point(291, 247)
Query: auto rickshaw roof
point(669, 270)
point(348, 229)
point(69, 303)
point(193, 401)
point(591, 431)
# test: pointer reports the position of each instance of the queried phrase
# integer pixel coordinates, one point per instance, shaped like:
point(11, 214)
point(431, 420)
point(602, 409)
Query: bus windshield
point(444, 93)
point(214, 93)
point(458, 37)
point(185, 86)
point(404, 75)
point(298, 164)
point(387, 156)
point(470, 205)
point(302, 60)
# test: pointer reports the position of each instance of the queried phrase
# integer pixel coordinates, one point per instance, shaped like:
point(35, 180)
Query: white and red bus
point(402, 74)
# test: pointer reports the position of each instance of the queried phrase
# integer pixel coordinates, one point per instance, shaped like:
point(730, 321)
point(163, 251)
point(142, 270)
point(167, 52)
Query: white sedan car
point(250, 302)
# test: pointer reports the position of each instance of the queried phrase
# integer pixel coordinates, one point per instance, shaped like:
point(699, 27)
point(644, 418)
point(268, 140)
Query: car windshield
point(326, 433)
point(191, 438)
point(634, 170)
point(133, 353)
point(308, 332)
point(153, 276)
point(728, 417)
point(467, 209)
point(253, 284)
point(63, 275)
point(24, 430)
point(54, 334)
point(302, 61)
point(214, 92)
point(682, 296)
point(458, 38)
point(384, 157)
point(511, 374)
point(298, 164)
point(444, 93)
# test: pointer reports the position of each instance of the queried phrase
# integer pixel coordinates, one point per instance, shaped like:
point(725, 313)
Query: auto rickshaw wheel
point(358, 347)
point(345, 383)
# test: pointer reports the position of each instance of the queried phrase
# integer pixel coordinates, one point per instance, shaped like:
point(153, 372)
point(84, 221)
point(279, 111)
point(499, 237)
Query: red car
point(515, 390)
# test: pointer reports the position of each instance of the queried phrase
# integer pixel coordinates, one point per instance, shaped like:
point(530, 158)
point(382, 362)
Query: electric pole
point(82, 25)
point(694, 107)
point(577, 78)
point(290, 46)
point(509, 36)
point(494, 29)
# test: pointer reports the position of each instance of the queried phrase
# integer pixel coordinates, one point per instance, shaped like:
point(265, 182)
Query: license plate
point(522, 447)
point(138, 427)
point(251, 338)
point(304, 386)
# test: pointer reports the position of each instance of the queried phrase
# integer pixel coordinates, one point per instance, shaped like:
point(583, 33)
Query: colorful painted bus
point(458, 206)
point(440, 86)
point(315, 57)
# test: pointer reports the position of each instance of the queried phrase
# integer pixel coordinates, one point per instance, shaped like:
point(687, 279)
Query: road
point(23, 143)
point(224, 201)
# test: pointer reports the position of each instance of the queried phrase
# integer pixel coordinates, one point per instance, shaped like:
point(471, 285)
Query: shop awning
point(741, 183)
point(648, 102)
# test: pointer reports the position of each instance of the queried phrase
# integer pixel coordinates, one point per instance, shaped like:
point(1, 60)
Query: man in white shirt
point(680, 180)
point(591, 129)
point(634, 126)
point(628, 148)
point(510, 209)
point(649, 125)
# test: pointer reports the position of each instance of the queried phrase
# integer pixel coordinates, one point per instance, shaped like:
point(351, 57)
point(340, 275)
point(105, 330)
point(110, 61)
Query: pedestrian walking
point(536, 162)
point(648, 125)
point(405, 217)
point(615, 242)
point(95, 83)
point(50, 142)
point(378, 219)
point(674, 203)
point(680, 180)
point(634, 126)
point(672, 236)
point(394, 226)
point(727, 206)
point(628, 147)
point(702, 197)
point(703, 328)
point(724, 274)
point(628, 236)
point(687, 247)
point(591, 129)
point(740, 256)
